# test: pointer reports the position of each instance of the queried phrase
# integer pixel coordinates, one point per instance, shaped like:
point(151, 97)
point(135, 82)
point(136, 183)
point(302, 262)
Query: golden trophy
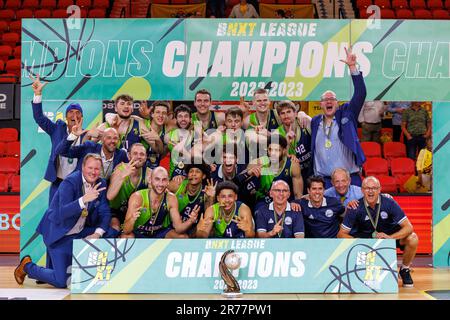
point(230, 260)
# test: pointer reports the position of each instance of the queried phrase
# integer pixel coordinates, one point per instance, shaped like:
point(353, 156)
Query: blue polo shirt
point(292, 224)
point(353, 193)
point(322, 222)
point(391, 216)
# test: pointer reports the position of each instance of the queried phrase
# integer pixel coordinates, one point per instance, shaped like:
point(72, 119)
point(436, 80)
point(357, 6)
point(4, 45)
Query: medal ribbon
point(374, 223)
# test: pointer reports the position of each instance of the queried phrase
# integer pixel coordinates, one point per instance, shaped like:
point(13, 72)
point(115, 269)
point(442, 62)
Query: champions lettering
point(112, 58)
point(255, 264)
point(258, 58)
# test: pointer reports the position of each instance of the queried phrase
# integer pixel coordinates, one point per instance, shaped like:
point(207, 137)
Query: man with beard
point(278, 166)
point(380, 217)
point(298, 139)
point(107, 149)
point(228, 218)
point(334, 134)
point(129, 128)
point(126, 179)
point(193, 194)
point(179, 141)
point(78, 210)
point(58, 167)
point(155, 133)
point(321, 215)
point(278, 220)
point(150, 211)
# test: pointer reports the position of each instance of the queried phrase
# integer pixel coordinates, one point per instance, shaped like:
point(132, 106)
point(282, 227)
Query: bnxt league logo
point(100, 259)
point(372, 276)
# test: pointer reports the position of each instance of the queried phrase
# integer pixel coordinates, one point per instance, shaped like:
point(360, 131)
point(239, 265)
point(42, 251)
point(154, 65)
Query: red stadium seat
point(63, 4)
point(375, 166)
point(423, 14)
point(8, 78)
point(417, 4)
point(84, 3)
point(9, 165)
point(7, 15)
point(2, 66)
point(268, 1)
point(48, 4)
point(435, 4)
point(387, 131)
point(30, 4)
point(12, 4)
point(447, 4)
point(383, 4)
point(14, 66)
point(43, 13)
point(402, 166)
point(9, 134)
point(24, 13)
point(5, 52)
point(3, 27)
point(13, 149)
point(404, 14)
point(394, 150)
point(302, 1)
point(387, 14)
point(371, 149)
point(2, 149)
point(401, 180)
point(100, 4)
point(16, 27)
point(400, 4)
point(10, 39)
point(17, 52)
point(60, 13)
point(363, 4)
point(388, 184)
point(15, 184)
point(285, 2)
point(97, 13)
point(441, 14)
point(3, 183)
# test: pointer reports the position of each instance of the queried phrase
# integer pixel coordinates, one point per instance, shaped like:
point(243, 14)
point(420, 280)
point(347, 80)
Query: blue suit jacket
point(64, 210)
point(66, 149)
point(57, 132)
point(347, 120)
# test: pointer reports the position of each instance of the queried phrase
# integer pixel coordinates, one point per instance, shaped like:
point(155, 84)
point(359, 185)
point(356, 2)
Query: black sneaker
point(405, 274)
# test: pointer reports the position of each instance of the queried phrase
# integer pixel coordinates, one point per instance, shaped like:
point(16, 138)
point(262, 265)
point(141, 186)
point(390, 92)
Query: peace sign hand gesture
point(243, 224)
point(77, 128)
point(92, 193)
point(37, 85)
point(194, 214)
point(210, 189)
point(277, 228)
point(129, 169)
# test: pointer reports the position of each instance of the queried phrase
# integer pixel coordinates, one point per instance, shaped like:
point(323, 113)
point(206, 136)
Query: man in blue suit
point(334, 134)
point(58, 167)
point(111, 156)
point(78, 210)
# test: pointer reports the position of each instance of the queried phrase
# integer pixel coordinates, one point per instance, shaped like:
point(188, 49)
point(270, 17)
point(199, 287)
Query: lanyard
point(374, 223)
point(154, 217)
point(327, 135)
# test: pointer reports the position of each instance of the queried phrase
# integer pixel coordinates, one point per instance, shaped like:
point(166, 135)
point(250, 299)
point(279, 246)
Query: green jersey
point(222, 229)
point(126, 190)
point(150, 222)
point(177, 168)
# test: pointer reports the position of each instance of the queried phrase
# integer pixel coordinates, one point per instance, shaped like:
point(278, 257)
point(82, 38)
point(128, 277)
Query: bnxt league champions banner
point(90, 60)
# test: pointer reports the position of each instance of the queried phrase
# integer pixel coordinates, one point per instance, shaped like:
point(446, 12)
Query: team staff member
point(381, 217)
point(321, 214)
point(278, 220)
point(58, 167)
point(78, 210)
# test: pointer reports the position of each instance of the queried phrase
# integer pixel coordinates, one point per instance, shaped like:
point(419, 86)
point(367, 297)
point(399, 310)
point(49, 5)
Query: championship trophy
point(230, 260)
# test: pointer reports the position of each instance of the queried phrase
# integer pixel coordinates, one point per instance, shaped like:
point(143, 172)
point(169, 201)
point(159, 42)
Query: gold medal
point(180, 165)
point(374, 235)
point(84, 213)
point(328, 143)
point(152, 159)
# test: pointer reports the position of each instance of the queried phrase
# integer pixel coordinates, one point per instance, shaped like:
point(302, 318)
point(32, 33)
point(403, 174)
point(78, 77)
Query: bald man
point(278, 220)
point(151, 211)
point(380, 217)
point(107, 149)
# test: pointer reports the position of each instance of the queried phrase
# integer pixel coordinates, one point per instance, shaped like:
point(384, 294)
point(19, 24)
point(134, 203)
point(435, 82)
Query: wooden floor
point(425, 278)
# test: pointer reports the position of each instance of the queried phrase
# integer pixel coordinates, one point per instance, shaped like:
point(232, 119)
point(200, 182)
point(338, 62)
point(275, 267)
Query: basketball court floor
point(429, 284)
